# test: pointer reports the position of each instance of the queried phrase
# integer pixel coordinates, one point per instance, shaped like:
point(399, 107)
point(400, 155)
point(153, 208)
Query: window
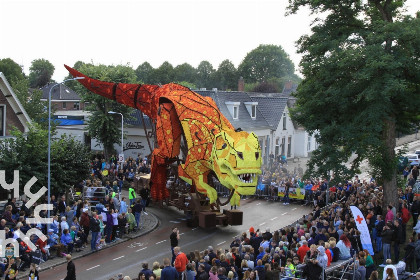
point(309, 143)
point(64, 105)
point(76, 106)
point(235, 112)
point(2, 120)
point(283, 144)
point(277, 147)
point(284, 121)
point(254, 111)
point(289, 146)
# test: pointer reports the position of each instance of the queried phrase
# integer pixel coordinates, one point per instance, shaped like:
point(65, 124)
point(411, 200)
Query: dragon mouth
point(247, 178)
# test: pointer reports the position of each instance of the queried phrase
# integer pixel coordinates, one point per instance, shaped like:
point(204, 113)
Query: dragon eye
point(224, 145)
point(240, 155)
point(257, 155)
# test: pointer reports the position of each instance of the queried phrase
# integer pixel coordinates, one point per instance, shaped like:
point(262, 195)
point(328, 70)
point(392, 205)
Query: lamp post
point(49, 141)
point(122, 131)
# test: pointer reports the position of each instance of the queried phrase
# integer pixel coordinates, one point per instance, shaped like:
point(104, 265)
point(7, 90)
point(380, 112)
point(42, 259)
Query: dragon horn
point(134, 95)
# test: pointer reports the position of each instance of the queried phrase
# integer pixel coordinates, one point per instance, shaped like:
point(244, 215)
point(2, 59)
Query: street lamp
point(49, 141)
point(122, 131)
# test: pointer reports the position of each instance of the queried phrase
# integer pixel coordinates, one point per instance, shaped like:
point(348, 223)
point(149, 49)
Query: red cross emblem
point(359, 219)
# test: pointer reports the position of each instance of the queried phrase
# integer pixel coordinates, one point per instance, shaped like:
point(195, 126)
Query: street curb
point(152, 228)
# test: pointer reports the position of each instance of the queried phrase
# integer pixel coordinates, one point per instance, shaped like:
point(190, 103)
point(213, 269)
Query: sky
point(131, 32)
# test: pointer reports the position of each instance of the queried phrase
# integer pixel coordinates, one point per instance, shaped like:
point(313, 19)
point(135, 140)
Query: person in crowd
point(71, 269)
point(387, 235)
point(168, 272)
point(181, 261)
point(312, 271)
point(67, 241)
point(344, 246)
point(137, 212)
point(174, 239)
point(390, 266)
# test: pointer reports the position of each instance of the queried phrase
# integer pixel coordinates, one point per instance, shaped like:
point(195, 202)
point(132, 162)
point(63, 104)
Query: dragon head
point(236, 159)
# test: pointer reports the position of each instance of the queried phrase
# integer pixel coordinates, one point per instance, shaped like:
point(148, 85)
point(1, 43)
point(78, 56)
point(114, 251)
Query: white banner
point(363, 228)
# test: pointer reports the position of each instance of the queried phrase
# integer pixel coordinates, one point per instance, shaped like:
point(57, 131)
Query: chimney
point(288, 85)
point(241, 84)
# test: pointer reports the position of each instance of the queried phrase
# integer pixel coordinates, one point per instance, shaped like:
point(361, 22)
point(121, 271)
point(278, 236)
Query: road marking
point(118, 258)
point(175, 222)
point(93, 267)
point(181, 233)
point(284, 213)
point(294, 209)
point(141, 249)
point(194, 228)
point(262, 224)
point(220, 243)
point(182, 219)
point(258, 203)
point(272, 219)
point(160, 241)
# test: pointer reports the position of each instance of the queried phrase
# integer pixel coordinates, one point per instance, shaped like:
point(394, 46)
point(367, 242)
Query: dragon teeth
point(249, 176)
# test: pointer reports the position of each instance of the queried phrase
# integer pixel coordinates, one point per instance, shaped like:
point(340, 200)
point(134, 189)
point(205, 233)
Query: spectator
point(180, 261)
point(387, 235)
point(168, 272)
point(302, 251)
point(312, 271)
point(344, 246)
point(322, 257)
point(146, 271)
point(71, 269)
point(386, 272)
point(156, 269)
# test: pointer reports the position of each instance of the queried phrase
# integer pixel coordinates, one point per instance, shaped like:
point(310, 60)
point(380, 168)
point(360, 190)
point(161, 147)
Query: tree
point(361, 85)
point(106, 128)
point(226, 76)
point(185, 73)
point(205, 72)
point(163, 74)
point(40, 73)
point(265, 62)
point(30, 100)
point(144, 73)
point(11, 70)
point(70, 159)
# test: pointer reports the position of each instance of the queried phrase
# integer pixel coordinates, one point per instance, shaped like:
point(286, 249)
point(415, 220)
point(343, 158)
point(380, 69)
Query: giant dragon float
point(194, 142)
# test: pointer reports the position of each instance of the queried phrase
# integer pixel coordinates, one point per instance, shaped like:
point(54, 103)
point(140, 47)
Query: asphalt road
point(127, 257)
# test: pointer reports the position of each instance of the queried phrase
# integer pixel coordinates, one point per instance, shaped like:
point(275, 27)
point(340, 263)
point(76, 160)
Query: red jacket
point(181, 262)
point(405, 215)
point(84, 220)
point(328, 253)
point(41, 245)
point(302, 252)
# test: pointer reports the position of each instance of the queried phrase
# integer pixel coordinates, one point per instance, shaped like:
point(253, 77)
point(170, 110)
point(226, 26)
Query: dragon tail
point(134, 95)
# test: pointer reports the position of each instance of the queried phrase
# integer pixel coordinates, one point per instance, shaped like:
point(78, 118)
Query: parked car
point(413, 159)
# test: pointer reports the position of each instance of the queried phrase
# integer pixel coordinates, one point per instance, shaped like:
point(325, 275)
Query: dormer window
point(252, 109)
point(233, 108)
point(235, 112)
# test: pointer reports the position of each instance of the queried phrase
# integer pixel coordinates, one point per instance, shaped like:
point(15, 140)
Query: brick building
point(12, 114)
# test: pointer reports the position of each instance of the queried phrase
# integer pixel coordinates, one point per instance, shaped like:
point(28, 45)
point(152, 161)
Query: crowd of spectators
point(326, 237)
point(82, 221)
